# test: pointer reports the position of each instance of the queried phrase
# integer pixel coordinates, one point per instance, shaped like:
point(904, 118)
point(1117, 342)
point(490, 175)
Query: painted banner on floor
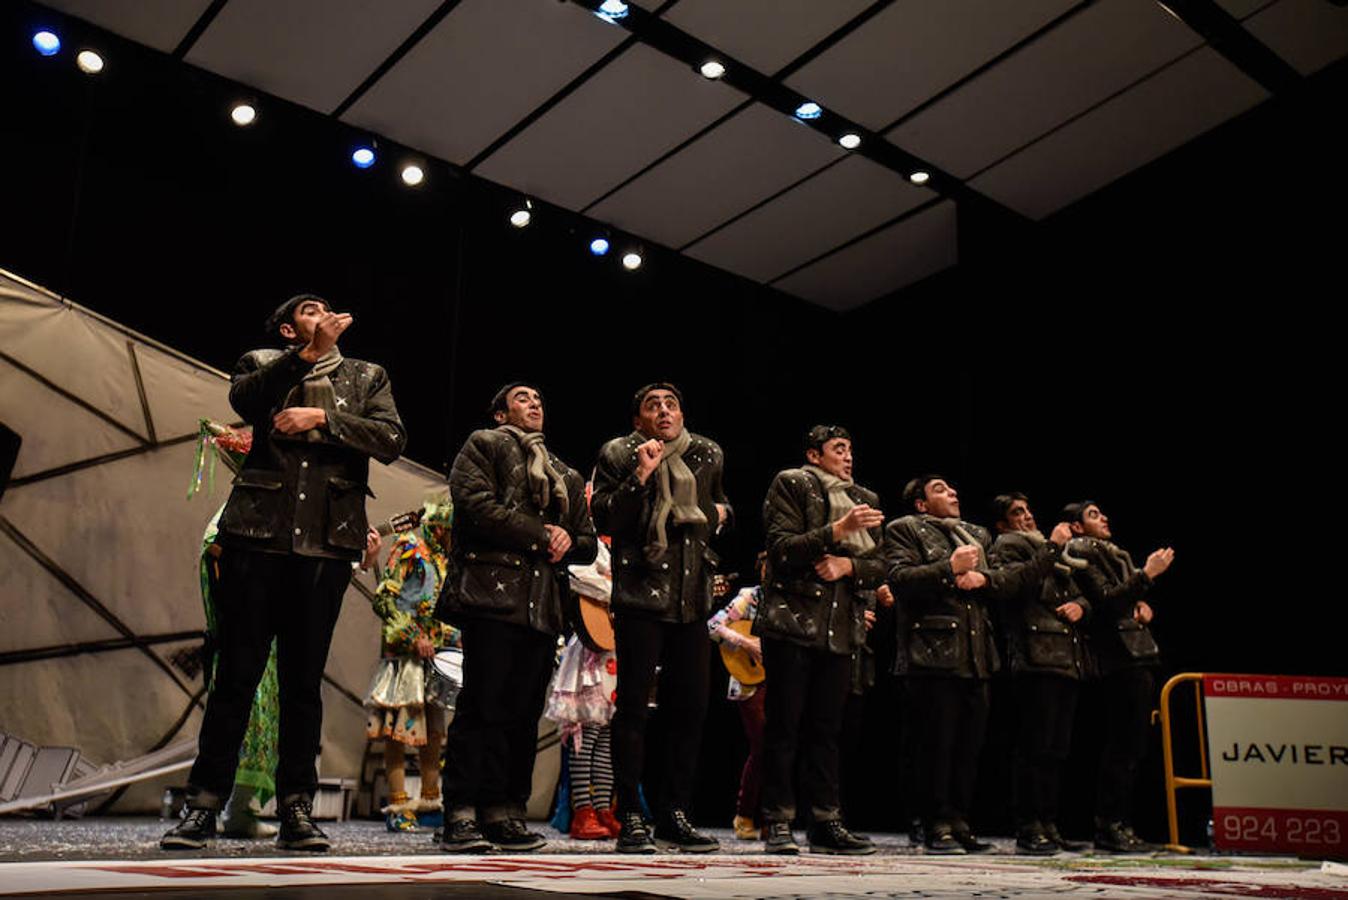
point(1278, 745)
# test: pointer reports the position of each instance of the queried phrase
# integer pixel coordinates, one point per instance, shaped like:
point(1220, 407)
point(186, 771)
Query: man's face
point(524, 409)
point(835, 457)
point(305, 319)
point(1093, 524)
point(1018, 518)
point(941, 500)
point(660, 415)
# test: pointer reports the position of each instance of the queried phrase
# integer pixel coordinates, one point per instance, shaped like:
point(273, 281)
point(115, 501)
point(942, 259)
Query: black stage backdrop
point(1162, 347)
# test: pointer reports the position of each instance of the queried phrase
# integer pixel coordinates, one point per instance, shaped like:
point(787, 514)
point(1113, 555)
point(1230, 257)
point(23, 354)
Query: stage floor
point(74, 857)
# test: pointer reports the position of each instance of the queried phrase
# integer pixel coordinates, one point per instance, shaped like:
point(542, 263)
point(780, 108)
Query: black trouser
point(682, 652)
point(1127, 695)
point(952, 716)
point(493, 738)
point(910, 733)
point(805, 707)
point(1046, 706)
point(261, 596)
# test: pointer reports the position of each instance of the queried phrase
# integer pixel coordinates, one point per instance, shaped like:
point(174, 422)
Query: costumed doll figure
point(408, 700)
point(581, 702)
point(255, 778)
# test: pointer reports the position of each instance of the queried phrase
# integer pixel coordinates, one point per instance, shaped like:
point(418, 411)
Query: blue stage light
point(363, 158)
point(809, 110)
point(599, 246)
point(47, 43)
point(612, 10)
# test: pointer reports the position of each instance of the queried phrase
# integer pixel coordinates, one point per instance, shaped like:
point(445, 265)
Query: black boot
point(298, 831)
point(941, 840)
point(512, 835)
point(777, 838)
point(1114, 838)
point(1031, 840)
point(461, 835)
point(964, 836)
point(634, 837)
point(833, 837)
point(675, 832)
point(917, 833)
point(192, 833)
point(1053, 834)
point(1139, 845)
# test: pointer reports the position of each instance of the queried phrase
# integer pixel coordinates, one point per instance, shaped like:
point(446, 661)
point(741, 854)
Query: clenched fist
point(964, 558)
point(649, 455)
point(299, 418)
point(326, 332)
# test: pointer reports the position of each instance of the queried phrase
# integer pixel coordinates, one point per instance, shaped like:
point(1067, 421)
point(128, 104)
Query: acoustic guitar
point(739, 662)
point(592, 620)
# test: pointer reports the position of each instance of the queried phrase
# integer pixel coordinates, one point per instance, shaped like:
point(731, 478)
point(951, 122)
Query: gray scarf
point(545, 482)
point(1067, 562)
point(676, 493)
point(316, 389)
point(840, 503)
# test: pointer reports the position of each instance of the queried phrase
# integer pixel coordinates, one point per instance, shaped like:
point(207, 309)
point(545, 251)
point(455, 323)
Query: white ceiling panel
point(763, 34)
point(913, 50)
point(160, 24)
point(750, 156)
point(896, 257)
point(1179, 103)
point(1100, 51)
point(312, 52)
point(475, 76)
point(1309, 34)
point(824, 212)
point(639, 106)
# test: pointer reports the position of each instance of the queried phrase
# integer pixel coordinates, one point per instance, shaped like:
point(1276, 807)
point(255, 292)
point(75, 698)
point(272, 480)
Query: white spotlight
point(413, 176)
point(919, 177)
point(632, 261)
point(520, 217)
point(712, 69)
point(243, 115)
point(850, 141)
point(90, 63)
point(809, 110)
point(612, 10)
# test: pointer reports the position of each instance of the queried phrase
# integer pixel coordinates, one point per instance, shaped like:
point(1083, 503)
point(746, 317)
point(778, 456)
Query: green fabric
point(258, 755)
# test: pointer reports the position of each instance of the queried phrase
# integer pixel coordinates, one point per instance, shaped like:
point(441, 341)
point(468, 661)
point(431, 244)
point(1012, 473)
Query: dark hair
point(916, 490)
point(1076, 512)
point(499, 401)
point(285, 313)
point(641, 393)
point(820, 435)
point(1001, 504)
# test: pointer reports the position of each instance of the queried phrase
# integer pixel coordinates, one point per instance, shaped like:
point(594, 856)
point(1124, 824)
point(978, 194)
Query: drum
point(444, 677)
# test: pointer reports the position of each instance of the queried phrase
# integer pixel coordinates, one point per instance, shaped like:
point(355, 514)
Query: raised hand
point(1061, 534)
point(964, 558)
point(649, 455)
point(858, 518)
point(326, 332)
point(1159, 561)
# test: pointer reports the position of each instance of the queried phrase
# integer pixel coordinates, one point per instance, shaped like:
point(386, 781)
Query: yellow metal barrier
point(1173, 782)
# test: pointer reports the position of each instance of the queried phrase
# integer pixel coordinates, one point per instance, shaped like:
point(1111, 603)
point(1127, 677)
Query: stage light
point(363, 157)
point(850, 141)
point(243, 114)
point(413, 176)
point(612, 10)
point(809, 110)
point(90, 63)
point(632, 261)
point(712, 69)
point(47, 43)
point(919, 177)
point(599, 246)
point(520, 218)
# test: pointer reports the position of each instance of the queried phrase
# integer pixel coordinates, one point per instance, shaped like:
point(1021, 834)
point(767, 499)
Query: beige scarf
point(316, 389)
point(545, 482)
point(840, 503)
point(676, 493)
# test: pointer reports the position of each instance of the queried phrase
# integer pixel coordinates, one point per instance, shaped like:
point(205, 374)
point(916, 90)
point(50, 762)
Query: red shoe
point(610, 822)
point(585, 826)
